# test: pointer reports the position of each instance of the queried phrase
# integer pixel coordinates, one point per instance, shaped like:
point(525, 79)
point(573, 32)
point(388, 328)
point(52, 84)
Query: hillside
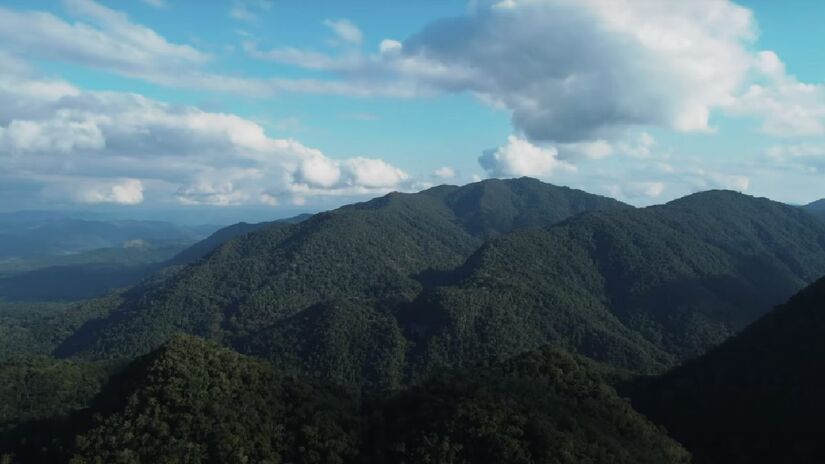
point(379, 254)
point(757, 397)
point(817, 208)
point(639, 288)
point(190, 401)
point(221, 236)
point(388, 291)
point(544, 406)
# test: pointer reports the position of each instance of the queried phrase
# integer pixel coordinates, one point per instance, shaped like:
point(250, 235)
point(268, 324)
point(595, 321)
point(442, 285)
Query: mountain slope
point(191, 401)
point(379, 253)
point(817, 208)
point(757, 397)
point(545, 406)
point(221, 236)
point(639, 288)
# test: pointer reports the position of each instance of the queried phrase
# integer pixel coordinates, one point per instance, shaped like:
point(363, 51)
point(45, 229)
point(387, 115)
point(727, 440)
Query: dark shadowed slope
point(639, 288)
point(755, 399)
point(545, 406)
point(191, 401)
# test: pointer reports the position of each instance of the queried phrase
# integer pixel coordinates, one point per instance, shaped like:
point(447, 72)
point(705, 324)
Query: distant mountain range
point(443, 326)
point(385, 292)
point(32, 233)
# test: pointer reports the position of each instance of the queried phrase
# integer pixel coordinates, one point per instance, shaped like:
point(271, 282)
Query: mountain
point(545, 406)
point(817, 208)
point(389, 291)
point(377, 254)
point(221, 236)
point(640, 288)
point(188, 401)
point(37, 234)
point(191, 401)
point(757, 397)
point(39, 398)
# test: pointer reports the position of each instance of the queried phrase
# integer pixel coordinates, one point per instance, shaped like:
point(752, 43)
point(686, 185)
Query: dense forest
point(456, 275)
point(506, 321)
point(817, 208)
point(191, 401)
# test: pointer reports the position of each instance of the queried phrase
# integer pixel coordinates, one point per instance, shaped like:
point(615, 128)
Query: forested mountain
point(376, 254)
point(544, 406)
point(190, 401)
point(388, 291)
point(817, 208)
point(221, 236)
point(639, 288)
point(757, 398)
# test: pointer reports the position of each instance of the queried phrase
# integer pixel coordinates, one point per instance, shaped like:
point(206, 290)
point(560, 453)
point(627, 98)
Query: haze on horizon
point(268, 108)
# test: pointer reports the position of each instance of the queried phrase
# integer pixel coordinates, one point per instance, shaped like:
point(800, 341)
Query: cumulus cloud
point(601, 65)
point(108, 147)
point(519, 157)
point(787, 106)
point(390, 46)
point(94, 191)
point(444, 173)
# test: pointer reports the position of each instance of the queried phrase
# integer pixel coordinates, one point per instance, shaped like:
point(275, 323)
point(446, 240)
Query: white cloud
point(112, 42)
point(807, 156)
point(345, 30)
point(589, 149)
point(715, 180)
point(641, 148)
point(372, 173)
point(786, 106)
point(519, 157)
point(389, 47)
point(95, 191)
point(444, 173)
point(96, 147)
point(319, 171)
point(645, 191)
point(600, 66)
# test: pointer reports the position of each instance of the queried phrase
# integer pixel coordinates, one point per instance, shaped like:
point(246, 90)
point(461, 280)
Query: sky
point(278, 106)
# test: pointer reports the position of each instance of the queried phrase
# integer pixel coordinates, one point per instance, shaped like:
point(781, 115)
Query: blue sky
point(278, 106)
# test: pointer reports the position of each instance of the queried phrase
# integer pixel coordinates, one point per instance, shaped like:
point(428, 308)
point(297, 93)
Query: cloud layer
point(112, 147)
